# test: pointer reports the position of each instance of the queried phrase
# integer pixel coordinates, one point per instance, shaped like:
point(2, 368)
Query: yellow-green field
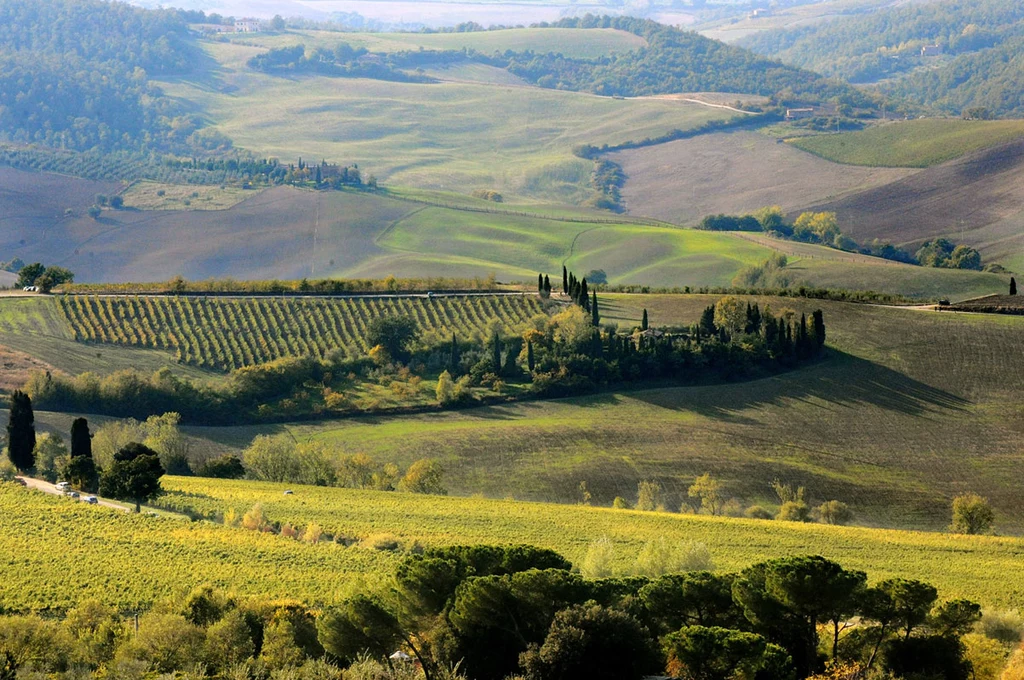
point(912, 144)
point(57, 552)
point(158, 196)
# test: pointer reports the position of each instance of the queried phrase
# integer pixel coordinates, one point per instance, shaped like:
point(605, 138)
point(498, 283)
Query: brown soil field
point(977, 199)
point(735, 172)
point(15, 368)
point(279, 233)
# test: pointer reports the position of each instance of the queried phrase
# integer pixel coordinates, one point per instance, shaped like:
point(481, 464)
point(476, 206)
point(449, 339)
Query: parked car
point(62, 486)
point(91, 500)
point(71, 494)
point(289, 492)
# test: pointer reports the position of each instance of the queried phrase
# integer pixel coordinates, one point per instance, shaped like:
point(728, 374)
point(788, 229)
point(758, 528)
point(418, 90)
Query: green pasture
point(912, 144)
point(450, 136)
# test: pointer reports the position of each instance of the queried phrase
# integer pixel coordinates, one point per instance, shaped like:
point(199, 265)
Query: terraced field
point(224, 334)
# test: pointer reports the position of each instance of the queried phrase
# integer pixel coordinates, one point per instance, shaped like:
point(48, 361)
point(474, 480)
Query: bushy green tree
point(593, 642)
point(394, 333)
point(134, 475)
point(972, 514)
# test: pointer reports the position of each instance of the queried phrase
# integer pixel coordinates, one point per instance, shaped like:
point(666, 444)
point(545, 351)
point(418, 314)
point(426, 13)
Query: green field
point(577, 43)
point(455, 136)
point(911, 409)
point(912, 144)
point(56, 552)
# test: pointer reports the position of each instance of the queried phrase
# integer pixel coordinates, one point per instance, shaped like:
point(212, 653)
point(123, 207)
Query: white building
point(247, 26)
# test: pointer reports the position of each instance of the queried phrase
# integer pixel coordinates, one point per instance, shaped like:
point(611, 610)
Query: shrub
point(794, 511)
point(620, 503)
point(598, 561)
point(648, 496)
point(1005, 626)
point(423, 476)
point(971, 515)
point(834, 512)
point(758, 512)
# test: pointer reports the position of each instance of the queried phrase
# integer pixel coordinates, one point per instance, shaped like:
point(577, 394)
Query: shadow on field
point(841, 380)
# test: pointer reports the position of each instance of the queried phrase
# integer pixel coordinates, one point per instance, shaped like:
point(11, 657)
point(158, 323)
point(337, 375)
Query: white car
point(91, 500)
point(62, 486)
point(71, 494)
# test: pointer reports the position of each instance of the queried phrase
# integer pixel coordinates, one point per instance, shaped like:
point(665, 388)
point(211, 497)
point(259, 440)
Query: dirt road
point(46, 487)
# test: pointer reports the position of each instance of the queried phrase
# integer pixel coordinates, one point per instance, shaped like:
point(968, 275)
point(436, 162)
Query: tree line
point(494, 612)
point(823, 228)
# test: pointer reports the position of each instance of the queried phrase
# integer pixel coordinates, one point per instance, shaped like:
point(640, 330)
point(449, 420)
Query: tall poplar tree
point(21, 432)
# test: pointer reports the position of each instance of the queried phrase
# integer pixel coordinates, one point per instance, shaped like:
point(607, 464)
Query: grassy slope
point(910, 409)
point(450, 135)
point(57, 552)
point(586, 44)
point(912, 144)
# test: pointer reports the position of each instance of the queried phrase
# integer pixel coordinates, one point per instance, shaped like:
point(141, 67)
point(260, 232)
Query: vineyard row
point(224, 334)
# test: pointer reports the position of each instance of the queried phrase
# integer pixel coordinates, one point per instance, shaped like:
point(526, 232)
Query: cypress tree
point(565, 280)
point(1013, 286)
point(643, 321)
point(595, 316)
point(453, 357)
point(584, 295)
point(529, 355)
point(818, 329)
point(540, 283)
point(81, 440)
point(21, 432)
point(496, 353)
point(547, 286)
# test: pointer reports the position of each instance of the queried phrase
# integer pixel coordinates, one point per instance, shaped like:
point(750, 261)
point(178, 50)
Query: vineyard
point(228, 333)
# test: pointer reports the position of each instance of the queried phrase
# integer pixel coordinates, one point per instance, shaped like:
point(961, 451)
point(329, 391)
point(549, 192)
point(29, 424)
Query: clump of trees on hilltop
point(494, 612)
point(823, 228)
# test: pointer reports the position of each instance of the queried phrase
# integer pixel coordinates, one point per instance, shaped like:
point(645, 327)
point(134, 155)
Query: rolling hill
point(975, 199)
point(290, 233)
point(910, 409)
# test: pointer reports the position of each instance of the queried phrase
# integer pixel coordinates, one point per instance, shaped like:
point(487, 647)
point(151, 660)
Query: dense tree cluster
point(673, 61)
point(981, 38)
point(497, 612)
point(75, 75)
point(823, 228)
point(342, 62)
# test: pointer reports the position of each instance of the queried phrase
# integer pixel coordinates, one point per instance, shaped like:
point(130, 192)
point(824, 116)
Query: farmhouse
point(931, 50)
point(796, 114)
point(247, 26)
